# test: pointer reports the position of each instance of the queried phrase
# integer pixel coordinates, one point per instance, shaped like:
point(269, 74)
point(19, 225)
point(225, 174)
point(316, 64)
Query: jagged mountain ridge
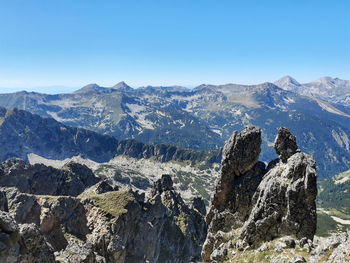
point(326, 88)
point(23, 133)
point(201, 118)
point(124, 163)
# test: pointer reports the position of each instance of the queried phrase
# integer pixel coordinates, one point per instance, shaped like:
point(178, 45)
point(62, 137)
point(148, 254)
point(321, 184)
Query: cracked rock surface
point(253, 203)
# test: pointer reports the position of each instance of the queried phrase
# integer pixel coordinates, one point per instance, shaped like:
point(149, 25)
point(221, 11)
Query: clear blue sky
point(186, 42)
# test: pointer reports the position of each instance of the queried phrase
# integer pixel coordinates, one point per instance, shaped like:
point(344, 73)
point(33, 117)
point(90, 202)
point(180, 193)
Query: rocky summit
point(254, 203)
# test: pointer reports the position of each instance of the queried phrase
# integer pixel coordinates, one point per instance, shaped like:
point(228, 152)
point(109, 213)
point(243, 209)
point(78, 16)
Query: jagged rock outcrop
point(254, 203)
point(103, 226)
point(284, 203)
point(70, 180)
point(285, 144)
point(22, 242)
point(104, 187)
point(199, 205)
point(163, 184)
point(162, 229)
point(240, 155)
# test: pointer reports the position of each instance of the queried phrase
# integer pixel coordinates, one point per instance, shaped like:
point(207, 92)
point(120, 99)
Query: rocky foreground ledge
point(267, 213)
point(101, 225)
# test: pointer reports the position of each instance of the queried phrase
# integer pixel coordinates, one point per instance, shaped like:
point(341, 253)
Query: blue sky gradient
point(49, 45)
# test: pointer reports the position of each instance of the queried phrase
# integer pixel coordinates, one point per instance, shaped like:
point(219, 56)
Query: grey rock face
point(163, 229)
point(241, 151)
point(240, 155)
point(37, 249)
point(113, 226)
point(254, 204)
point(104, 187)
point(79, 252)
point(55, 216)
point(3, 202)
point(22, 243)
point(7, 224)
point(71, 180)
point(9, 238)
point(199, 205)
point(285, 144)
point(163, 184)
point(284, 203)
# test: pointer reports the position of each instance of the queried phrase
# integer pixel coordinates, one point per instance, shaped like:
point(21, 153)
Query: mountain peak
point(325, 79)
point(288, 83)
point(89, 88)
point(121, 86)
point(287, 80)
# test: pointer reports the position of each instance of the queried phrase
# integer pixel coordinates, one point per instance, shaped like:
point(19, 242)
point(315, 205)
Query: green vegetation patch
point(334, 195)
point(253, 256)
point(113, 203)
point(326, 225)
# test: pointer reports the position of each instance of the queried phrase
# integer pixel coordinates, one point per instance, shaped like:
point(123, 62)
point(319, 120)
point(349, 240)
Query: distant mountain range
point(326, 88)
point(204, 117)
point(23, 133)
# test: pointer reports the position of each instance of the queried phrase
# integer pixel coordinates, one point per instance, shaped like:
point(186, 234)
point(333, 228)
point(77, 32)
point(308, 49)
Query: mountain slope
point(289, 83)
point(123, 163)
point(326, 88)
point(201, 118)
point(333, 204)
point(22, 133)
